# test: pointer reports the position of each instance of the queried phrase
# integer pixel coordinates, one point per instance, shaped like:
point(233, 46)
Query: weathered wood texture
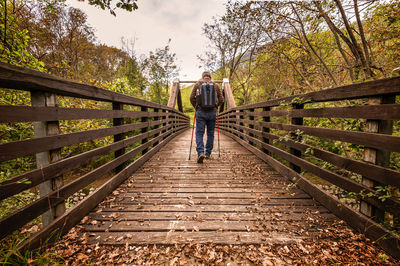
point(387, 240)
point(156, 129)
point(288, 140)
point(18, 78)
point(381, 87)
point(174, 94)
point(230, 101)
point(235, 199)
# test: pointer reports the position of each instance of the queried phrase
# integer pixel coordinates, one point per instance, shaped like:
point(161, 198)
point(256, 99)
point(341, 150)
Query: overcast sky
point(154, 23)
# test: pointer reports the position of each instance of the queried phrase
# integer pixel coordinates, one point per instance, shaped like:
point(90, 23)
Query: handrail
point(375, 88)
point(143, 132)
point(13, 77)
point(283, 128)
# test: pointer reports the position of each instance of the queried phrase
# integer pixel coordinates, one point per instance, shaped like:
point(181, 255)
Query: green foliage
point(10, 255)
point(128, 5)
point(160, 68)
point(14, 42)
point(383, 256)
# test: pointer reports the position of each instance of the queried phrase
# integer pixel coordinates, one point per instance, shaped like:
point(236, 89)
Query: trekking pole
point(191, 141)
point(219, 150)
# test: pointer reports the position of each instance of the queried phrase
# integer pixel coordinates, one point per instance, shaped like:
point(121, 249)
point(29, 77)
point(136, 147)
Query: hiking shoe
point(200, 159)
point(207, 156)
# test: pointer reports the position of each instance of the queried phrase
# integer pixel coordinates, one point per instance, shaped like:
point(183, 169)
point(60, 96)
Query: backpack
point(206, 96)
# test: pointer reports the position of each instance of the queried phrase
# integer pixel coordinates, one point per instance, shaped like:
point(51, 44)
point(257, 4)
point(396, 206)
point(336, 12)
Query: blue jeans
point(203, 119)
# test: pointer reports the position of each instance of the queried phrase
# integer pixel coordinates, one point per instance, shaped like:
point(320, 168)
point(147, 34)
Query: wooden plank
point(384, 112)
point(17, 149)
point(211, 208)
point(202, 216)
point(192, 226)
point(241, 196)
point(380, 87)
point(372, 140)
point(195, 237)
point(202, 185)
point(64, 223)
point(19, 78)
point(387, 240)
point(305, 200)
point(35, 177)
point(10, 113)
point(208, 190)
point(349, 185)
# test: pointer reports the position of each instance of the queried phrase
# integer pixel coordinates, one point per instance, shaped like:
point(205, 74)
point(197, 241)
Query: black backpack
point(206, 96)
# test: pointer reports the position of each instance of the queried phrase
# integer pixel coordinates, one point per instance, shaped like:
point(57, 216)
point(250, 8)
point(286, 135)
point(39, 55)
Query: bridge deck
point(233, 199)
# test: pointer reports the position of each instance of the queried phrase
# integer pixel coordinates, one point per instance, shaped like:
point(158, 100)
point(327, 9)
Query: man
point(206, 96)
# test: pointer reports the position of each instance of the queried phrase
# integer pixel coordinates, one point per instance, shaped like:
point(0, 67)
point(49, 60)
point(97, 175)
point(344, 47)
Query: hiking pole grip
point(191, 141)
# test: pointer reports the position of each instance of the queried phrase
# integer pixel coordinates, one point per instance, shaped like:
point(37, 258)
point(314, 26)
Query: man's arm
point(193, 94)
point(219, 94)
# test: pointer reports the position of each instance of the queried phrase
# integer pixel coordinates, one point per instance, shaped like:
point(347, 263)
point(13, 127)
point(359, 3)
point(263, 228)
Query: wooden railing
point(153, 126)
point(282, 132)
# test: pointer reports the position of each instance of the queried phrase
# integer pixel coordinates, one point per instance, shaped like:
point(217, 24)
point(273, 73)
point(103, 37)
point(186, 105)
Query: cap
point(206, 73)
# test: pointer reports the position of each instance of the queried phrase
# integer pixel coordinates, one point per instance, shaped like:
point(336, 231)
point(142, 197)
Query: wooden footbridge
point(256, 192)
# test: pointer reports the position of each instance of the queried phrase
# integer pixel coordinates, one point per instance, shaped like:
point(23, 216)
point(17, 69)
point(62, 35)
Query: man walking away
point(206, 96)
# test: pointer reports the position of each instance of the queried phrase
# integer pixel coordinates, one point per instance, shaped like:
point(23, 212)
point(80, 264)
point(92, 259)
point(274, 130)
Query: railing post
point(251, 118)
point(157, 126)
point(266, 129)
point(296, 121)
point(230, 101)
point(144, 119)
point(118, 137)
point(379, 157)
point(42, 129)
point(240, 123)
point(166, 123)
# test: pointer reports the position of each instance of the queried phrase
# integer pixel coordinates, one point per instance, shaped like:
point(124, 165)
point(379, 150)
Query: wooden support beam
point(179, 100)
point(144, 119)
point(174, 93)
point(230, 100)
point(266, 129)
point(376, 156)
point(251, 117)
point(118, 137)
point(296, 137)
point(43, 129)
point(155, 127)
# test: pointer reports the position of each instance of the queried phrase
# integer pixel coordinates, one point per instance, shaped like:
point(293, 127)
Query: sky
point(154, 23)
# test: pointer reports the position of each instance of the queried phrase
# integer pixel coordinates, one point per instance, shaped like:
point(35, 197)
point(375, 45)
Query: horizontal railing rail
point(135, 135)
point(289, 133)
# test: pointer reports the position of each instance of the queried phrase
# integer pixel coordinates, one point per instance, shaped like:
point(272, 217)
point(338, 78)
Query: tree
point(362, 61)
point(110, 5)
point(14, 43)
point(134, 68)
point(160, 68)
point(234, 41)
